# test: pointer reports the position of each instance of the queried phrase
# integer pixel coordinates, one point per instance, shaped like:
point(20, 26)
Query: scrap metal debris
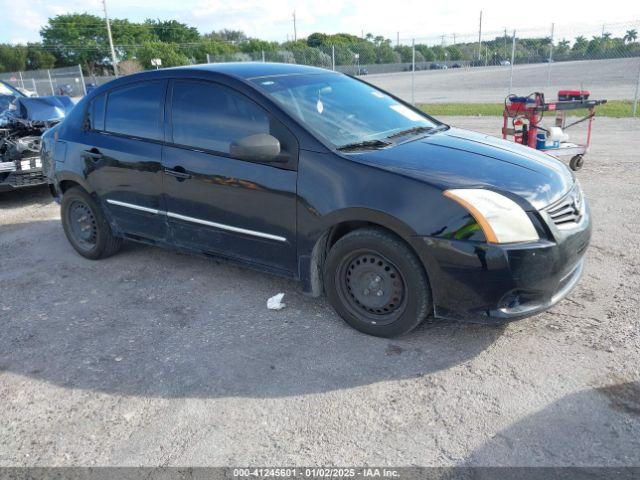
point(22, 121)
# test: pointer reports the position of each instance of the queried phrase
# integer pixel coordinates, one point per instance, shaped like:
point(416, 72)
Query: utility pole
point(295, 32)
point(480, 38)
point(397, 39)
point(454, 38)
point(506, 52)
point(550, 57)
point(113, 52)
point(442, 40)
point(603, 30)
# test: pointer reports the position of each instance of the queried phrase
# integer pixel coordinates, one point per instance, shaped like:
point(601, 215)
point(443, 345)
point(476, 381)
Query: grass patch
point(613, 108)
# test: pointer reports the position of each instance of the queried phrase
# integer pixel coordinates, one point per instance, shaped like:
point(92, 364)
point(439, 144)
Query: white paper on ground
point(275, 302)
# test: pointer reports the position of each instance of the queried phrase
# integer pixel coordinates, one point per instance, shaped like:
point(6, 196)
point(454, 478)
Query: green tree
point(630, 36)
point(172, 31)
point(12, 58)
point(169, 53)
point(38, 58)
point(426, 52)
point(385, 53)
point(77, 38)
point(128, 36)
point(217, 50)
point(453, 53)
point(232, 36)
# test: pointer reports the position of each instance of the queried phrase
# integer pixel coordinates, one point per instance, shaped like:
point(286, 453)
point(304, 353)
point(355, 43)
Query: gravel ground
point(611, 79)
point(158, 358)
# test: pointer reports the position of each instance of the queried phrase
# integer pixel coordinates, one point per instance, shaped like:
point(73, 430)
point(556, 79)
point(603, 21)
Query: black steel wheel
point(82, 224)
point(372, 286)
point(376, 283)
point(85, 226)
point(576, 163)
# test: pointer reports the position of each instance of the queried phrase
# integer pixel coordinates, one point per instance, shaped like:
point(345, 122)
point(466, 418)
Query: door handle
point(93, 154)
point(178, 172)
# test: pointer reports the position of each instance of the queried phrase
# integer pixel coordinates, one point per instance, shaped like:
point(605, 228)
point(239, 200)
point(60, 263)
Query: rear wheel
point(376, 283)
point(86, 227)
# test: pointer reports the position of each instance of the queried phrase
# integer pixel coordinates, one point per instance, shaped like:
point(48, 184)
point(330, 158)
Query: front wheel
point(376, 283)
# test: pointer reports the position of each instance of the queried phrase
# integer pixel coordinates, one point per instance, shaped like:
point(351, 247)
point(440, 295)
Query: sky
point(272, 19)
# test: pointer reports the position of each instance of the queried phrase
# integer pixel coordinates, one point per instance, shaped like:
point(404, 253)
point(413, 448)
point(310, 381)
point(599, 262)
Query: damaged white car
point(23, 120)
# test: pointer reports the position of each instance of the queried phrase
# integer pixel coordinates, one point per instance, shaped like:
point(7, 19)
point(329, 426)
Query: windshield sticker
point(406, 112)
point(319, 106)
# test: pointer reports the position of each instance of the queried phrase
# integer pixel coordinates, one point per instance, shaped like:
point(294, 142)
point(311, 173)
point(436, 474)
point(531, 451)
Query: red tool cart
point(522, 118)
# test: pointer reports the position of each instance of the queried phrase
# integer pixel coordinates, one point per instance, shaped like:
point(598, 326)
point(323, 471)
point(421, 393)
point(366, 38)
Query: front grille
point(569, 210)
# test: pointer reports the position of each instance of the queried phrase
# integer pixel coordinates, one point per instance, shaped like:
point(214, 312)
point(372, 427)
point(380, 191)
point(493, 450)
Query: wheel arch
point(67, 180)
point(339, 224)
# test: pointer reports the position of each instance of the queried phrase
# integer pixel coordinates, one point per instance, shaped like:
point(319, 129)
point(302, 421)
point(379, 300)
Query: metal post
point(208, 58)
point(480, 38)
point(53, 92)
point(295, 30)
point(550, 57)
point(21, 80)
point(263, 59)
point(635, 96)
point(333, 57)
point(413, 71)
point(513, 60)
point(84, 87)
point(113, 52)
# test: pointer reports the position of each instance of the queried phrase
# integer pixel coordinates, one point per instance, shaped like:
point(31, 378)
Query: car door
point(122, 151)
point(220, 204)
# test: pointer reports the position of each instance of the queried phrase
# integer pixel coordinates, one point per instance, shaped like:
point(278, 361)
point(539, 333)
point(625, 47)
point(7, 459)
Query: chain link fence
point(447, 68)
point(56, 81)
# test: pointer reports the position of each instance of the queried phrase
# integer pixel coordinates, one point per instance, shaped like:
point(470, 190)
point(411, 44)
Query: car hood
point(457, 158)
point(43, 109)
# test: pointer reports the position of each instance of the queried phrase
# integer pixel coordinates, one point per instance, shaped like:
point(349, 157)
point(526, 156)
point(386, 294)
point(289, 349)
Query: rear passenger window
point(136, 110)
point(210, 116)
point(96, 113)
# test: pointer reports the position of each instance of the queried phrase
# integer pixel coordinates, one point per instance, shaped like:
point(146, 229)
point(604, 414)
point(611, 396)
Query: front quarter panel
point(332, 190)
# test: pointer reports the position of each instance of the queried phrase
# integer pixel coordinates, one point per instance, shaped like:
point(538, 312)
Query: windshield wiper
point(364, 145)
point(409, 131)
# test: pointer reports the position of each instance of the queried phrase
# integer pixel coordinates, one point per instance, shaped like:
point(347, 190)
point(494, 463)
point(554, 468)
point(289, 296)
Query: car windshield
point(6, 89)
point(343, 111)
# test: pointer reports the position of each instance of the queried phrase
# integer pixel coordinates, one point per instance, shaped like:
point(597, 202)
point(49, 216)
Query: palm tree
point(630, 36)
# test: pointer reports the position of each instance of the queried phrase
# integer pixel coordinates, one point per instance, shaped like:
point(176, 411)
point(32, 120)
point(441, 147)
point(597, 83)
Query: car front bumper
point(26, 172)
point(491, 283)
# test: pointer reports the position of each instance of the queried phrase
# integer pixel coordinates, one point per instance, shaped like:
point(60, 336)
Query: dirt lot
point(158, 358)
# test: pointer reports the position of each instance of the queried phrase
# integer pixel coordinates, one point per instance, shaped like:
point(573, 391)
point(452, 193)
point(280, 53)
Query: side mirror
point(259, 147)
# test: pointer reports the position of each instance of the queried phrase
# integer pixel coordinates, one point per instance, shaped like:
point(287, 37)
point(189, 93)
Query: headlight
point(501, 219)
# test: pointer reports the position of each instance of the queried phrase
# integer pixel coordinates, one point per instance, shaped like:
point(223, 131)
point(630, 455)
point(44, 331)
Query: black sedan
point(326, 179)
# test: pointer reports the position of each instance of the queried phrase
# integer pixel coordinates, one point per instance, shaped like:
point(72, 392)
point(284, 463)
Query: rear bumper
point(487, 283)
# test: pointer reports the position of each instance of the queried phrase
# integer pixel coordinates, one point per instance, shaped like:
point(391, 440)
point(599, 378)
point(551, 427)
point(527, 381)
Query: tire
point(576, 163)
point(86, 227)
point(366, 262)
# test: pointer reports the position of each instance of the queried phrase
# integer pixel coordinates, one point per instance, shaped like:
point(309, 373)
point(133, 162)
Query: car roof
point(248, 70)
point(240, 70)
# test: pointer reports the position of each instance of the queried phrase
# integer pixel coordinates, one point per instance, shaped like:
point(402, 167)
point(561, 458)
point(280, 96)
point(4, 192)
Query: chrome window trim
point(221, 226)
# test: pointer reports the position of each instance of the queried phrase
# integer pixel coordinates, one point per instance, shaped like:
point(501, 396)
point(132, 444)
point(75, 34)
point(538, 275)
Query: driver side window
point(210, 117)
